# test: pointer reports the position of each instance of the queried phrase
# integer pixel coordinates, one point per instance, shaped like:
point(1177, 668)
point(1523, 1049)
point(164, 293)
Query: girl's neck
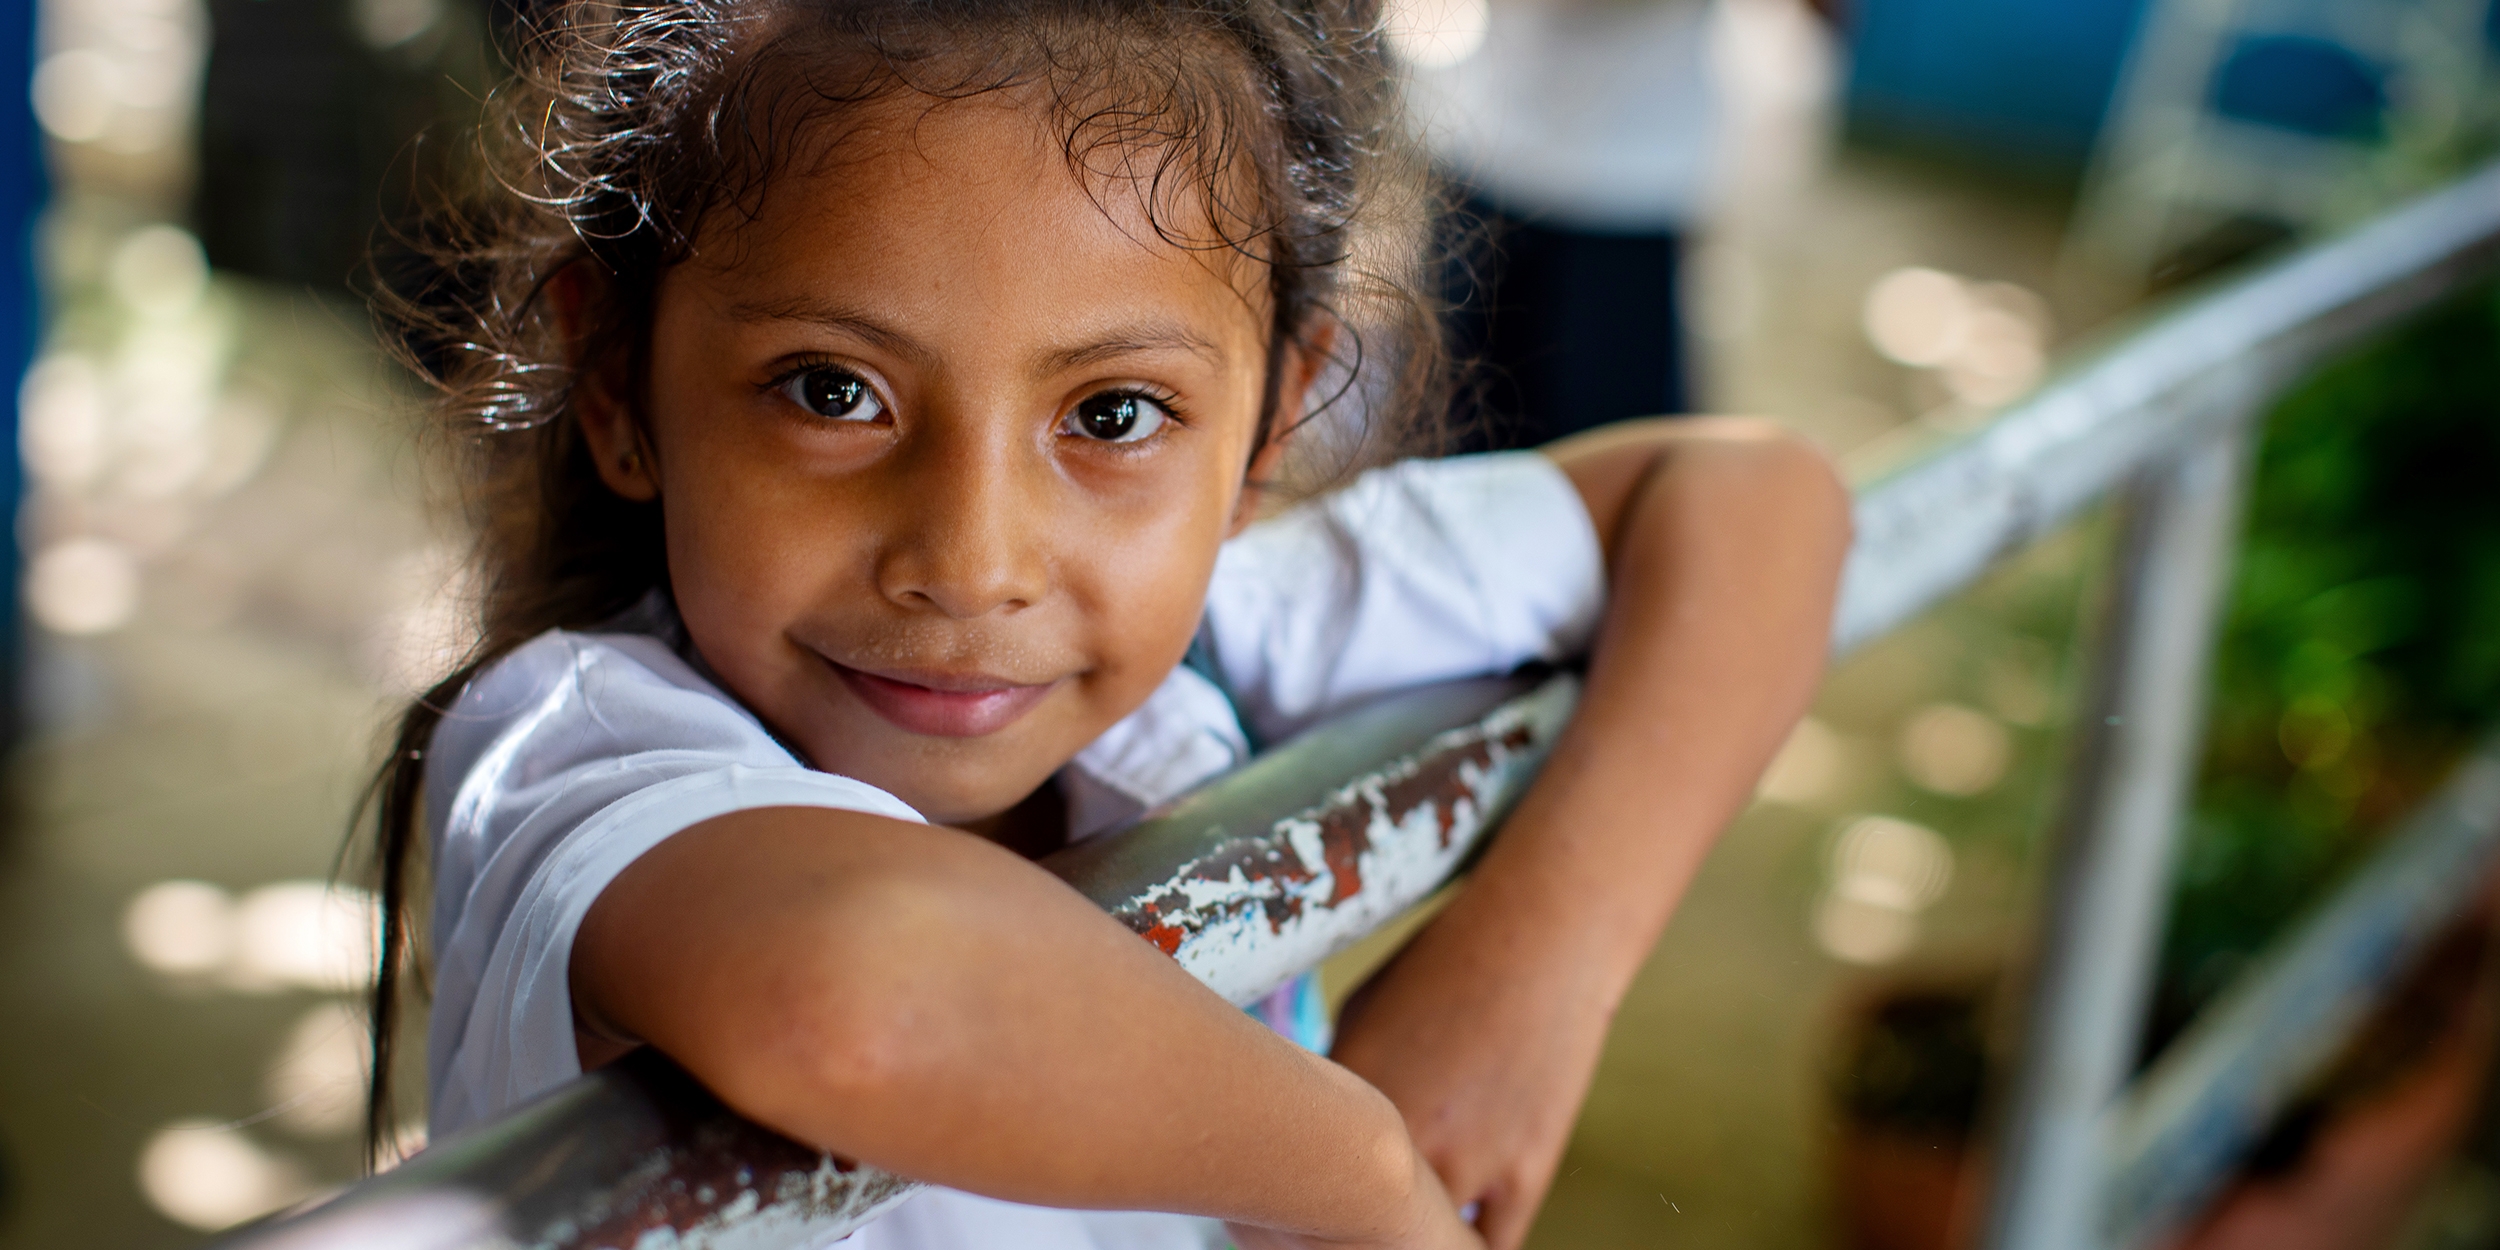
point(1034, 827)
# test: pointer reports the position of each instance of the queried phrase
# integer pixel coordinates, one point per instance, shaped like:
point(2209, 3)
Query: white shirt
point(564, 761)
point(1601, 114)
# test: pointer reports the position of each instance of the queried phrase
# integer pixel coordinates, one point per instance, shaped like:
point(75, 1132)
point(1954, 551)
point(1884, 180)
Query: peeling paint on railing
point(635, 1156)
point(1268, 899)
point(727, 1184)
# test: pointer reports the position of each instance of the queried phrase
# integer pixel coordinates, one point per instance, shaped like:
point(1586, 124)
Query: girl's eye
point(1116, 417)
point(836, 394)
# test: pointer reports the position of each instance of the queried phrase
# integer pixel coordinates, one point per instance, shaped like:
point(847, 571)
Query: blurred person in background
point(1579, 139)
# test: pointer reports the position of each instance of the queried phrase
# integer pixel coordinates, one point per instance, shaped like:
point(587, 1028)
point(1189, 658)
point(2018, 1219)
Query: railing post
point(2109, 884)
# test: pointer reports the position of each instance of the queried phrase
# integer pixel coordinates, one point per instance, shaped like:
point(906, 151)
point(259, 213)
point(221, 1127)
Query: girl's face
point(946, 439)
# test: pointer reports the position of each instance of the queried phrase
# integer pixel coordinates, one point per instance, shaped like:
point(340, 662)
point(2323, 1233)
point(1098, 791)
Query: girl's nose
point(971, 539)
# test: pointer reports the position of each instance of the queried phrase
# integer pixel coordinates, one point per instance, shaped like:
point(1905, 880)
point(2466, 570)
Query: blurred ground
point(217, 737)
point(250, 583)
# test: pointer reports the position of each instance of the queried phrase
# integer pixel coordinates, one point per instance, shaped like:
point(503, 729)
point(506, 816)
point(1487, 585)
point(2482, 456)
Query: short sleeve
point(1421, 572)
point(552, 772)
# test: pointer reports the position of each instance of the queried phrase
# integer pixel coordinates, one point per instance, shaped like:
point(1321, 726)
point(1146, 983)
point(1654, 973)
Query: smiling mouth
point(943, 705)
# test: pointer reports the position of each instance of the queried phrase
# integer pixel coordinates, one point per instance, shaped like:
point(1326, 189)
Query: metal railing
point(1271, 869)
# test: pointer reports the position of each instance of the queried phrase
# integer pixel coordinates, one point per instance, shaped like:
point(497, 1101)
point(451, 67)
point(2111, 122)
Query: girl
point(873, 402)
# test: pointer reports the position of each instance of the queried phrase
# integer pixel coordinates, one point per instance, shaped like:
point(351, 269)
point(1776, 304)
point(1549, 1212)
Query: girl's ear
point(609, 428)
point(1299, 364)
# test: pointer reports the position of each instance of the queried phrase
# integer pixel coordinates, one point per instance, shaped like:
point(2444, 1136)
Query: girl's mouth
point(943, 705)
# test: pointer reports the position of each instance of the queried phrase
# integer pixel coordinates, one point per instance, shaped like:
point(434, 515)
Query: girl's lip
point(943, 705)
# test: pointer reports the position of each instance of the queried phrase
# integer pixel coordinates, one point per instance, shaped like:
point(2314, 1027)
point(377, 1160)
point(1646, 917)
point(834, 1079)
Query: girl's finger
point(1504, 1222)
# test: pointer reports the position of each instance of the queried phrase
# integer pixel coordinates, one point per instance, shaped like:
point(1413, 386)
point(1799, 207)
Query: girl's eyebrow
point(1156, 336)
point(1151, 335)
point(837, 317)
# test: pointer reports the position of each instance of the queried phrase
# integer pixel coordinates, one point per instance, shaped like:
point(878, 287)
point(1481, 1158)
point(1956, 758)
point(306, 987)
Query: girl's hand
point(1432, 1223)
point(1488, 1056)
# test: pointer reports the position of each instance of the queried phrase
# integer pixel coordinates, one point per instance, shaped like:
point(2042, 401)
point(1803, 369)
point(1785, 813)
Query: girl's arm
point(1723, 543)
point(924, 1001)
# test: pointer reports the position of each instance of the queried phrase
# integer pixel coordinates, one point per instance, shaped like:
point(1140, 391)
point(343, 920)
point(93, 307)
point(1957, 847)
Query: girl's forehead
point(909, 179)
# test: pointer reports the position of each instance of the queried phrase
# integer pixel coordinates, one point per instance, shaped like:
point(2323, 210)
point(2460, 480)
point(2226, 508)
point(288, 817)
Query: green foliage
point(2361, 650)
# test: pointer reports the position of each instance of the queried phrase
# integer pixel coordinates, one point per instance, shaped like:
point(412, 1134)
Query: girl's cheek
point(746, 531)
point(1157, 553)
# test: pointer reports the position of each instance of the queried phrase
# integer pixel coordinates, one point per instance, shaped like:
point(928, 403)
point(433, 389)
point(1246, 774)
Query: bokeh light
point(1988, 340)
point(180, 928)
point(1953, 749)
point(75, 94)
point(62, 430)
point(317, 1084)
point(83, 586)
point(1884, 872)
point(1433, 34)
point(305, 935)
point(390, 23)
point(125, 73)
point(1917, 316)
point(1808, 767)
point(159, 271)
point(210, 1176)
point(2004, 348)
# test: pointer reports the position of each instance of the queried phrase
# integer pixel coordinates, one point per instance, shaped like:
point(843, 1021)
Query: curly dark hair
point(629, 126)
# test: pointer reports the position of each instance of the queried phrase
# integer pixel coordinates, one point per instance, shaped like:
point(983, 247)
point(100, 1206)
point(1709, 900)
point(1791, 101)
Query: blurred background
point(1877, 221)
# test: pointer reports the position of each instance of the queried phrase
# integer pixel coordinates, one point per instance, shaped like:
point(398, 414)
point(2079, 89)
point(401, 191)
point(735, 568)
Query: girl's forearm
point(1723, 545)
point(1722, 542)
point(928, 1003)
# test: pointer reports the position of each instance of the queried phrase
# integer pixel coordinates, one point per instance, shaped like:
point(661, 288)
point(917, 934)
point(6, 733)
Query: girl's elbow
point(1808, 477)
point(802, 1067)
point(846, 1042)
point(834, 1040)
point(1778, 476)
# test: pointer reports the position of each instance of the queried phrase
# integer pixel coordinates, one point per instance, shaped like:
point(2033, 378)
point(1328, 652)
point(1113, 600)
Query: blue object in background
point(2292, 82)
point(21, 198)
point(2024, 82)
